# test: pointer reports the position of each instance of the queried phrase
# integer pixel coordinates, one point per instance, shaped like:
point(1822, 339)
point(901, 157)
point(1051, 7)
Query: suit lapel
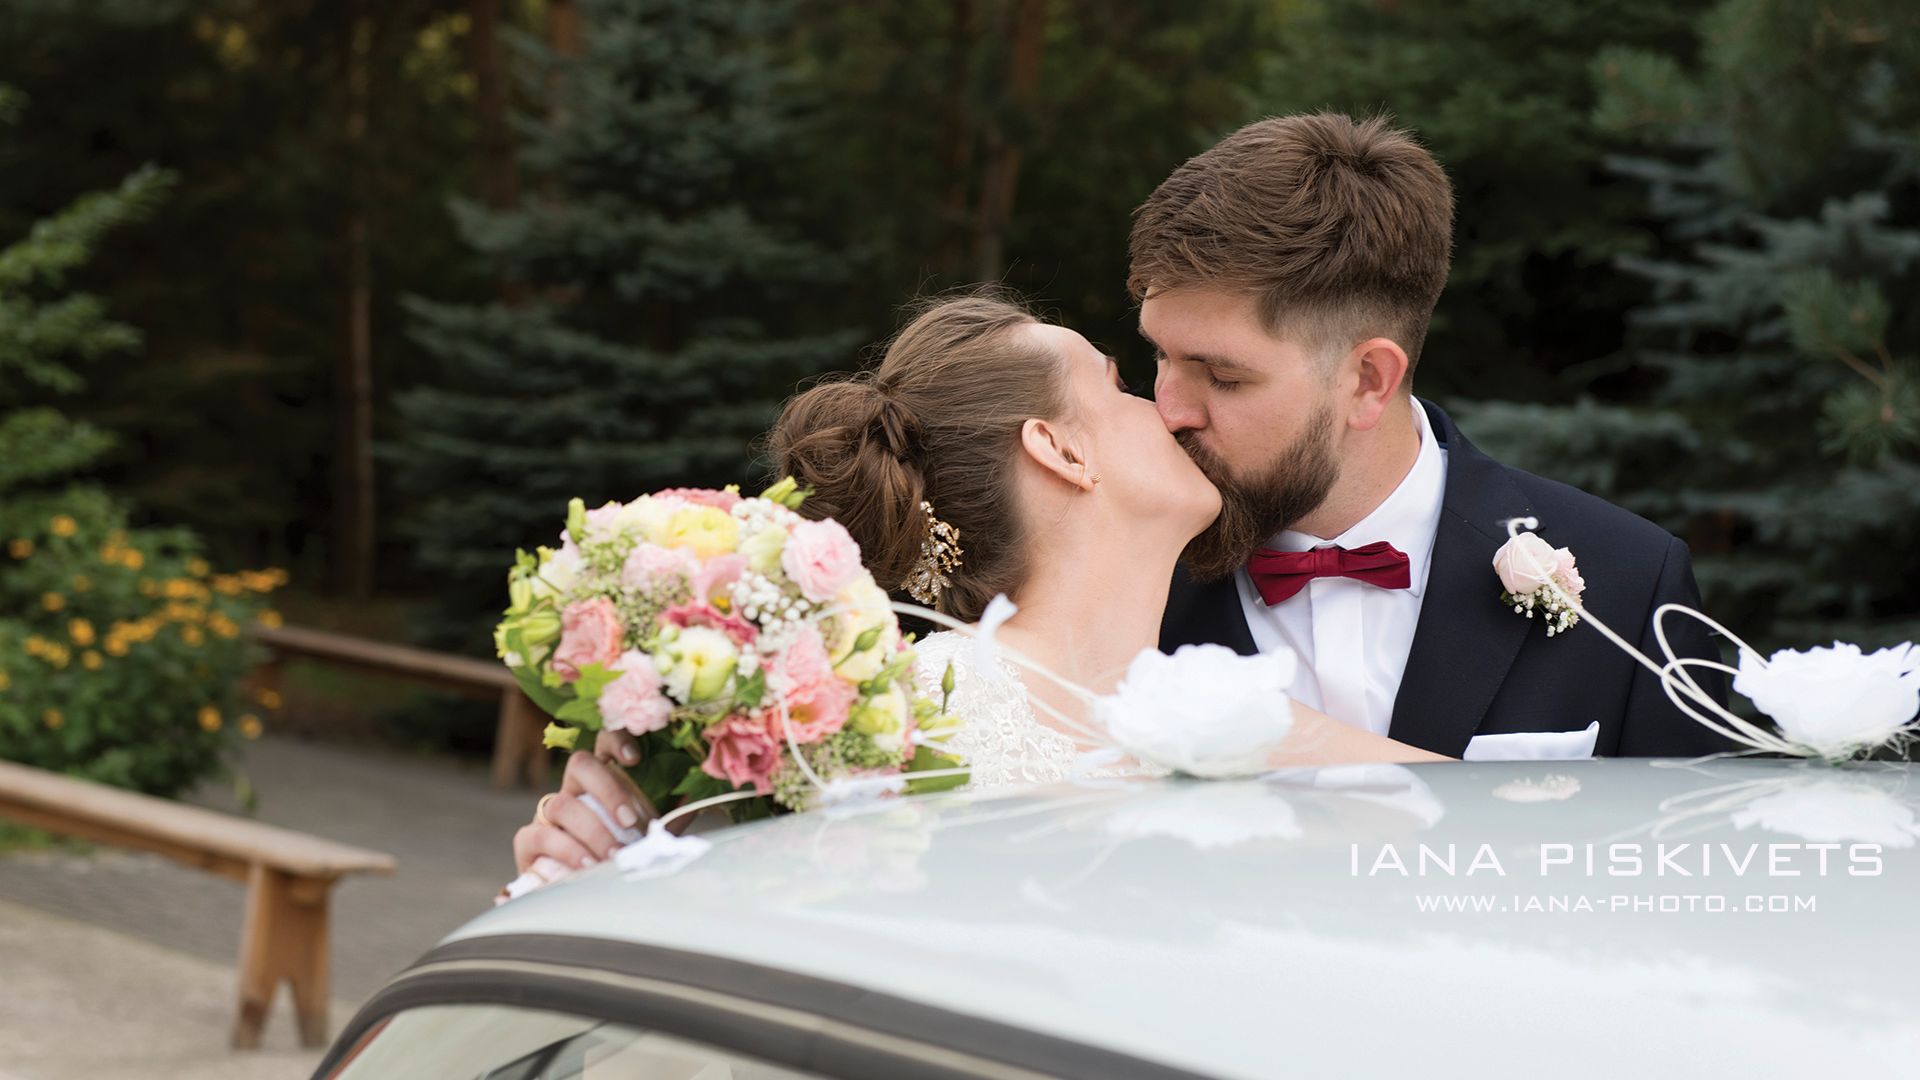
point(1466, 639)
point(1205, 614)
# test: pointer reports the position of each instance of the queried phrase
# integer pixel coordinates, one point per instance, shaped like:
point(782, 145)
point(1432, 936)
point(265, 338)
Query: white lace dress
point(1000, 737)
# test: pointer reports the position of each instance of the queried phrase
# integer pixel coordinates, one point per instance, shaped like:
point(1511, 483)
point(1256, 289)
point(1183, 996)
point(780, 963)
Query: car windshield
point(494, 1042)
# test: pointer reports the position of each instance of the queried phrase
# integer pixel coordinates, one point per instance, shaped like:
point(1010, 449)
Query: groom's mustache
point(1254, 508)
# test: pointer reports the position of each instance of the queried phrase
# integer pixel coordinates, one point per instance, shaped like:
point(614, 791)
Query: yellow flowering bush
point(122, 654)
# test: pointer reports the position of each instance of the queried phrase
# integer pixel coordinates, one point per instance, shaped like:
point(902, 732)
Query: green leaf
point(582, 712)
point(697, 785)
point(661, 769)
point(593, 679)
point(549, 698)
point(927, 760)
point(751, 690)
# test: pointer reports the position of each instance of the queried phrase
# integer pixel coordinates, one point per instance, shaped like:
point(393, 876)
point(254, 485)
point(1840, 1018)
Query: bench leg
point(518, 753)
point(284, 939)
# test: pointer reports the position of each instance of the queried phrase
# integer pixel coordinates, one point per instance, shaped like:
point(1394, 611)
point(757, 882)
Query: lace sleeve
point(999, 736)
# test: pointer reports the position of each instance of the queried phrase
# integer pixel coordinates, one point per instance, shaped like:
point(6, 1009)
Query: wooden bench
point(288, 877)
point(518, 750)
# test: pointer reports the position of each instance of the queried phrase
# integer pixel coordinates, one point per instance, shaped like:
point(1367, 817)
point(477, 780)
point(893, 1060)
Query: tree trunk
point(353, 415)
point(957, 138)
point(1001, 177)
point(499, 172)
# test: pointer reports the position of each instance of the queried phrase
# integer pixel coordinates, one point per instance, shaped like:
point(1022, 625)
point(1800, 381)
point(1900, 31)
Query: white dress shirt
point(1352, 638)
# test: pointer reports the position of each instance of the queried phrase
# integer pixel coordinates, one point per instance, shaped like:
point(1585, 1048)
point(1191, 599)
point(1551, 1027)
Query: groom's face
point(1254, 411)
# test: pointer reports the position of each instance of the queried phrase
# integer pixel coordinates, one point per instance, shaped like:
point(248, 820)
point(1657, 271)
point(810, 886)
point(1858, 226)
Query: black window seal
point(782, 1017)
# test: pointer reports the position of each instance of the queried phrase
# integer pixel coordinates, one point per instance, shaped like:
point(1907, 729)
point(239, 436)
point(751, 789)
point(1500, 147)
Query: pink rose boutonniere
point(1536, 577)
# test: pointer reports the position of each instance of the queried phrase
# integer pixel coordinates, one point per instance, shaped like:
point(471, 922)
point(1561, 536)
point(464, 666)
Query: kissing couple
point(1283, 490)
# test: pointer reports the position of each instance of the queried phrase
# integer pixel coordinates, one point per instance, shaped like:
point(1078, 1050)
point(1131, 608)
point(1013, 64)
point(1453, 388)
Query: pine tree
point(657, 290)
point(1770, 412)
point(121, 654)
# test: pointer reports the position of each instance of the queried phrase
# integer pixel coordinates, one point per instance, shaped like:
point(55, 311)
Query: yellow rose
point(250, 726)
point(209, 718)
point(81, 631)
point(65, 526)
point(703, 530)
point(53, 601)
point(20, 549)
point(91, 660)
point(54, 719)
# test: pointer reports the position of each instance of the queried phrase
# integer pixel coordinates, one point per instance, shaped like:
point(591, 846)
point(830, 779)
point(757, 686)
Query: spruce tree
point(656, 291)
point(1769, 412)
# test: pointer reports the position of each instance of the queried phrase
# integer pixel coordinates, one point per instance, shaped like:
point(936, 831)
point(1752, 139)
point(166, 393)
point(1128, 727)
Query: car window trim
point(781, 1017)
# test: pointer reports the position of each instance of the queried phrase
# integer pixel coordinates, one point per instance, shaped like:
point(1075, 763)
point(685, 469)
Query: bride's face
point(1124, 441)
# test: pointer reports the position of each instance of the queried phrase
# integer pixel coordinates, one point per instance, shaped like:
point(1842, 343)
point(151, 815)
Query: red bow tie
point(1278, 575)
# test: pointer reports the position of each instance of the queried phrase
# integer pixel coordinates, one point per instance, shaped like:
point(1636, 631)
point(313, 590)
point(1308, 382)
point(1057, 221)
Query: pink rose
point(1525, 563)
point(650, 565)
point(719, 500)
point(821, 559)
point(743, 752)
point(1568, 574)
point(717, 574)
point(737, 629)
point(633, 702)
point(816, 700)
point(590, 633)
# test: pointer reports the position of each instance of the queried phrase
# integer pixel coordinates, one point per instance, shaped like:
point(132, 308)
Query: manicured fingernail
point(549, 868)
point(627, 816)
point(588, 860)
point(613, 850)
point(630, 755)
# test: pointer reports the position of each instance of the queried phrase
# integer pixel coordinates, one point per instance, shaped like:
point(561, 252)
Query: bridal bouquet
point(745, 646)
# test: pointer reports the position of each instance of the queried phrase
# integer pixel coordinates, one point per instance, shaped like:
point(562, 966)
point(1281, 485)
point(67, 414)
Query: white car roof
point(1260, 928)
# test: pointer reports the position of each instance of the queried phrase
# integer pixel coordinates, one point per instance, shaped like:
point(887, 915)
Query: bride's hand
point(572, 834)
point(616, 746)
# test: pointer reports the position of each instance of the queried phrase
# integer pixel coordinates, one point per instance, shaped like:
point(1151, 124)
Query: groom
point(1285, 279)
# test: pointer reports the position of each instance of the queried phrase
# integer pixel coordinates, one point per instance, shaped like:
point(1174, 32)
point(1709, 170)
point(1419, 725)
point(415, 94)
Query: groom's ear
point(1052, 449)
point(1379, 366)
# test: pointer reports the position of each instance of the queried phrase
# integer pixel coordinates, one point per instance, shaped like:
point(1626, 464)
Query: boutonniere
point(1537, 578)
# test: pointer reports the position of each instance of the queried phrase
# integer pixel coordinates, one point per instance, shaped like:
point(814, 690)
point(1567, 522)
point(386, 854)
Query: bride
point(1067, 494)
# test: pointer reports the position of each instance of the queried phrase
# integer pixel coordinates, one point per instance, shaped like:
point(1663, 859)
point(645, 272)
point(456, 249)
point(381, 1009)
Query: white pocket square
point(1534, 745)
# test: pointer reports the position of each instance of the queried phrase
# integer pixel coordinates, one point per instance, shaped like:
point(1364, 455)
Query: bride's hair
point(938, 419)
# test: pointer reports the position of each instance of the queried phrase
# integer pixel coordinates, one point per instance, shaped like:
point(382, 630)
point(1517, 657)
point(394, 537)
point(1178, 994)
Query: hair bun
point(857, 448)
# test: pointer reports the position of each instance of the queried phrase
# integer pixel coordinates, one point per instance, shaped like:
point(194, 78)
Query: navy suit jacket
point(1476, 667)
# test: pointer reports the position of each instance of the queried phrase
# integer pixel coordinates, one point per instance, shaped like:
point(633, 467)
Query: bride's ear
point(1053, 449)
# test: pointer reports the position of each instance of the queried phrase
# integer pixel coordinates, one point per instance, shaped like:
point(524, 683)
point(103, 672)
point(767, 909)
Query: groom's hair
point(1340, 229)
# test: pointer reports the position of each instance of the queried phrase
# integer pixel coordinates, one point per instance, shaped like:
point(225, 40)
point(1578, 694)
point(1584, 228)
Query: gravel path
point(448, 829)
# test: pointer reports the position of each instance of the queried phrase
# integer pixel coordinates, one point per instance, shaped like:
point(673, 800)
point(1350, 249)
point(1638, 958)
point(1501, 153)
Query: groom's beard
point(1254, 509)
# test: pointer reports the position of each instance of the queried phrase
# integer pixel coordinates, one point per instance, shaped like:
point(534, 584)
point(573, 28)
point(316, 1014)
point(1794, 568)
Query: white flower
point(1203, 711)
point(1827, 811)
point(763, 550)
point(646, 517)
point(859, 608)
point(558, 572)
point(1835, 701)
point(883, 718)
point(696, 663)
point(1525, 563)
